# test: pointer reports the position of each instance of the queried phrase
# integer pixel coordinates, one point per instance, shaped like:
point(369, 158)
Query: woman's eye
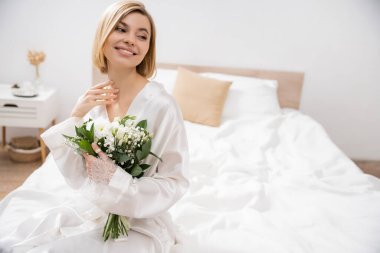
point(142, 37)
point(120, 29)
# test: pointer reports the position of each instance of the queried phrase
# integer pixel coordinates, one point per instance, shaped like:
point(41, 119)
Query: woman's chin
point(125, 64)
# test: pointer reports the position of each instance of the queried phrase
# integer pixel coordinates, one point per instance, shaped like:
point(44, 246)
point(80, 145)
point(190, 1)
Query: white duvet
point(275, 184)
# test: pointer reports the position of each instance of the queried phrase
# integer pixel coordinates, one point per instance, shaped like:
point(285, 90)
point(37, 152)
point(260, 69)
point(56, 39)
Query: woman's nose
point(129, 40)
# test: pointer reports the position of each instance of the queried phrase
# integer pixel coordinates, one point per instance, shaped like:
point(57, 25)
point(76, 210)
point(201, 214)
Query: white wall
point(336, 43)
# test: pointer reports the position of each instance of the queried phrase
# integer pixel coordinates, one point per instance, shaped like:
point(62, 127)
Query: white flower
point(120, 133)
point(88, 125)
point(101, 128)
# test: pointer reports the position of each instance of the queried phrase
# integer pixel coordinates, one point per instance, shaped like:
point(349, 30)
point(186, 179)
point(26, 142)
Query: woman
point(69, 215)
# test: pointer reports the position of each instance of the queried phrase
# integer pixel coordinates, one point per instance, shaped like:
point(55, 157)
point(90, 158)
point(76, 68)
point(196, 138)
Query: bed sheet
point(275, 184)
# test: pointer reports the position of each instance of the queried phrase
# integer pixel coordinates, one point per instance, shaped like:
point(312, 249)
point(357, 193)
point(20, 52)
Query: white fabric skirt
point(47, 216)
point(91, 240)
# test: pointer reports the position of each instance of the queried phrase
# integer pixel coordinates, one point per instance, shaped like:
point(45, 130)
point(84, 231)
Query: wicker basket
point(24, 149)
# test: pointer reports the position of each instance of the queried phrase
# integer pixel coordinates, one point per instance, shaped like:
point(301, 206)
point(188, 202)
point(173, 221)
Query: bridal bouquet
point(123, 140)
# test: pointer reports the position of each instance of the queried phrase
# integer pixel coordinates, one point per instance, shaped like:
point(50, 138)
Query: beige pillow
point(200, 98)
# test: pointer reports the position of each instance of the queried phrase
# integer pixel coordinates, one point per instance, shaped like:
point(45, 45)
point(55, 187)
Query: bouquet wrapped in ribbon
point(126, 143)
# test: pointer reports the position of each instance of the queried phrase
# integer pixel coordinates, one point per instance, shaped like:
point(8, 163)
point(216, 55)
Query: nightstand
point(36, 112)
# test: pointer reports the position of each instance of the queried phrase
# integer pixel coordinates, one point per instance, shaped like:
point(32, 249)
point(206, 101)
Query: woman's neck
point(123, 79)
point(128, 81)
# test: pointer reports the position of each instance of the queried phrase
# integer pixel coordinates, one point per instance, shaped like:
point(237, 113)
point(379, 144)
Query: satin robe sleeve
point(70, 164)
point(151, 195)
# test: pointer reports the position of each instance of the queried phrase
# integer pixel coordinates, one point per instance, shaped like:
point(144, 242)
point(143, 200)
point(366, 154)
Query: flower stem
point(115, 226)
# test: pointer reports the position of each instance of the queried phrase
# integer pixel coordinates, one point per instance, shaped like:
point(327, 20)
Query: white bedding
point(275, 184)
point(265, 184)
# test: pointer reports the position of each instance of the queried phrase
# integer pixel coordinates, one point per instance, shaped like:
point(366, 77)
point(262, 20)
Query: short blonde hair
point(110, 18)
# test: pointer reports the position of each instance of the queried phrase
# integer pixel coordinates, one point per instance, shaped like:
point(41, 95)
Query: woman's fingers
point(85, 155)
point(100, 153)
point(93, 100)
point(105, 102)
point(88, 158)
point(102, 97)
point(96, 95)
point(102, 85)
point(103, 91)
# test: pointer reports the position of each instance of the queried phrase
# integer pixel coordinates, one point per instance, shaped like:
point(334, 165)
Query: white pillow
point(167, 77)
point(248, 96)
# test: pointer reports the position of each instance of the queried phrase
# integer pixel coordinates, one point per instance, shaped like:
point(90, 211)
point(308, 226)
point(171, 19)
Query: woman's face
point(128, 43)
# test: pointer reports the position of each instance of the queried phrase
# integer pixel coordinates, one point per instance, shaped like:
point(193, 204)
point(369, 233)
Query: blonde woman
point(67, 210)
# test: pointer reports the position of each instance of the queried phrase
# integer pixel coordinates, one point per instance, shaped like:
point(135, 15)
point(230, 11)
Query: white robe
point(51, 213)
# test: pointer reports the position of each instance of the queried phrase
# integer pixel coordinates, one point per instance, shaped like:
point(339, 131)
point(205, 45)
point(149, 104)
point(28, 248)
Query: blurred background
point(335, 43)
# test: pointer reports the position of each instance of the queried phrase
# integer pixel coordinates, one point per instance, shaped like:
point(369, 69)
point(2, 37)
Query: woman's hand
point(96, 95)
point(101, 169)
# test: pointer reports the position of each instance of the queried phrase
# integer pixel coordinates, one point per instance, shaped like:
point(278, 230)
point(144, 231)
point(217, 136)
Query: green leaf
point(84, 133)
point(143, 124)
point(85, 123)
point(121, 157)
point(91, 134)
point(136, 170)
point(144, 152)
point(72, 139)
point(79, 131)
point(86, 147)
point(100, 143)
point(125, 118)
point(69, 138)
point(144, 166)
point(139, 154)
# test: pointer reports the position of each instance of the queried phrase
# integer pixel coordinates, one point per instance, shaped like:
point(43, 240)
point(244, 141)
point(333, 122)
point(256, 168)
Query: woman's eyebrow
point(140, 29)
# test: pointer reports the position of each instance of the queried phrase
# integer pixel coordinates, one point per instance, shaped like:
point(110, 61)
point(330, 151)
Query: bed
point(266, 179)
point(269, 178)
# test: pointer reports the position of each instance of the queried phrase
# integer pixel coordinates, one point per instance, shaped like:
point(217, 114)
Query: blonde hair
point(110, 18)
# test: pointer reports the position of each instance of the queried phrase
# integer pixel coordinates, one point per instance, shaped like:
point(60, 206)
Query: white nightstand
point(37, 112)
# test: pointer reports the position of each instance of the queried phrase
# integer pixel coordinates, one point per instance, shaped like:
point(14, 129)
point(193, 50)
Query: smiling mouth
point(125, 51)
